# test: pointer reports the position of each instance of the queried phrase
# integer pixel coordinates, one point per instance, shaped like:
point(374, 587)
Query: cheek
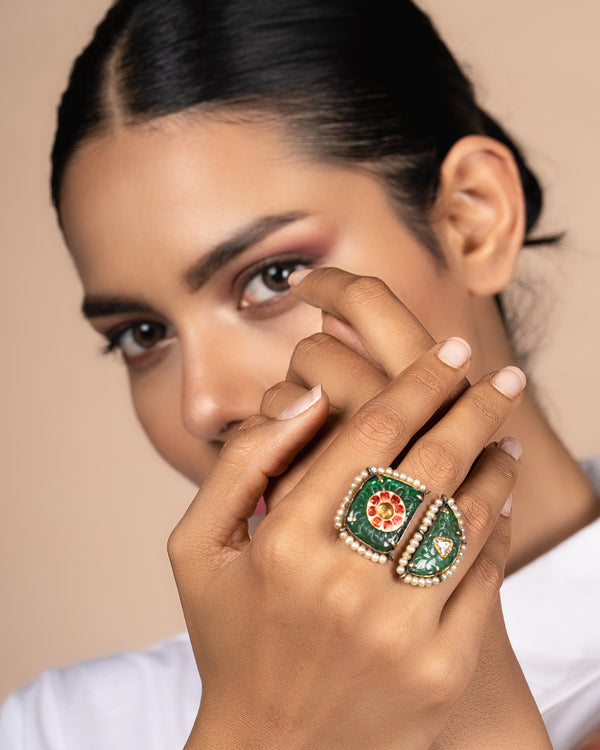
point(156, 401)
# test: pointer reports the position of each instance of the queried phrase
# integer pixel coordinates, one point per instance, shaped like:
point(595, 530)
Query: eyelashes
point(260, 290)
point(266, 280)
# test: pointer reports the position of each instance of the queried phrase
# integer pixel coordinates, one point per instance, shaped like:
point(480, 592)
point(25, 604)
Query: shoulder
point(552, 608)
point(146, 699)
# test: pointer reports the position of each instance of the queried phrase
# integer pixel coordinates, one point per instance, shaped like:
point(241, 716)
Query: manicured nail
point(507, 506)
point(302, 404)
point(510, 381)
point(455, 352)
point(511, 446)
point(296, 276)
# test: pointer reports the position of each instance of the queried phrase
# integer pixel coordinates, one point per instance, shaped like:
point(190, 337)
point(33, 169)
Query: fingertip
point(297, 276)
point(302, 404)
point(512, 446)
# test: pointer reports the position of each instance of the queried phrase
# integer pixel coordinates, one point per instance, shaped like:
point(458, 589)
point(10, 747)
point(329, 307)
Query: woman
point(203, 154)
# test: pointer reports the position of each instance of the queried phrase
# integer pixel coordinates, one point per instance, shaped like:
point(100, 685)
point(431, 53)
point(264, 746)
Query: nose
point(218, 390)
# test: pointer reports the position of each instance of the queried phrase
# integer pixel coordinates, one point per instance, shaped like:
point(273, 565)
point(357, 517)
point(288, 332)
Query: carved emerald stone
point(380, 510)
point(440, 546)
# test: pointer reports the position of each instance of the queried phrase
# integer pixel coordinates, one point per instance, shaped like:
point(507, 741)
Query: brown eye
point(138, 338)
point(147, 334)
point(269, 281)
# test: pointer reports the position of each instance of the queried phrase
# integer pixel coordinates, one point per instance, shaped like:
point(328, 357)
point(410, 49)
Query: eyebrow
point(235, 245)
point(197, 275)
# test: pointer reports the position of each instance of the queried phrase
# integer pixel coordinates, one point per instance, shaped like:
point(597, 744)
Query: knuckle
point(362, 290)
point(178, 545)
point(439, 679)
point(343, 602)
point(272, 549)
point(427, 380)
point(489, 571)
point(479, 515)
point(378, 427)
point(308, 348)
point(488, 410)
point(438, 460)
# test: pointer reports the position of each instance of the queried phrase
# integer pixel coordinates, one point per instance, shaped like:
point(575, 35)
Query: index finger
point(391, 334)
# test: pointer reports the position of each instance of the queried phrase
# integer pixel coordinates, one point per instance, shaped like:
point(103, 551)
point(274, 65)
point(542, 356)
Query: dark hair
point(369, 84)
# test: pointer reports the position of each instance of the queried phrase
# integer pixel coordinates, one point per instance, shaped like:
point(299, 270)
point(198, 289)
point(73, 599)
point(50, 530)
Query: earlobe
point(479, 215)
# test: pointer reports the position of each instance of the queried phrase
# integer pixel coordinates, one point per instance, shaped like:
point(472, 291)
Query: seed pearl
point(429, 582)
point(349, 540)
point(436, 580)
point(369, 554)
point(430, 514)
point(400, 569)
point(408, 579)
point(382, 559)
point(396, 474)
point(402, 477)
point(338, 524)
point(444, 576)
point(423, 487)
point(422, 582)
point(415, 582)
point(375, 557)
point(418, 536)
point(439, 503)
point(423, 528)
point(381, 470)
point(355, 545)
point(364, 473)
point(373, 470)
point(344, 535)
point(361, 550)
point(410, 480)
point(448, 574)
point(411, 549)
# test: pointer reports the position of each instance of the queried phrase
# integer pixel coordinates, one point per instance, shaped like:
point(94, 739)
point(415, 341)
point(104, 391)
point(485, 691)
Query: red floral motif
point(386, 511)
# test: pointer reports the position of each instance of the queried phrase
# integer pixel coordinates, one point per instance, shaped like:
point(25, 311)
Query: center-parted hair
point(370, 85)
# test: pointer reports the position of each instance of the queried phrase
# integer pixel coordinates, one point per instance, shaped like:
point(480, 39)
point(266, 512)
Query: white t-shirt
point(148, 700)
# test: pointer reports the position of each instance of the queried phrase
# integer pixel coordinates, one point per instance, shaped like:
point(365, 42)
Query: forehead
point(140, 184)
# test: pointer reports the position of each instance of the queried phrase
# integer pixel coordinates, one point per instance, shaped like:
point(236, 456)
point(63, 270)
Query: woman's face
point(183, 233)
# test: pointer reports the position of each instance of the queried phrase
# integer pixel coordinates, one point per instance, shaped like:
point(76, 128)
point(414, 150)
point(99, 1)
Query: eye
point(135, 339)
point(263, 283)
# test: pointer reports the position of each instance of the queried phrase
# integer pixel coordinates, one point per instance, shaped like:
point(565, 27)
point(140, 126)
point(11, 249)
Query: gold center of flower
point(385, 510)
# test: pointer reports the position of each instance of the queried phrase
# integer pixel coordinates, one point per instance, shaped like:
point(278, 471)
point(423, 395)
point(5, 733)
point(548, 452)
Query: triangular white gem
point(443, 545)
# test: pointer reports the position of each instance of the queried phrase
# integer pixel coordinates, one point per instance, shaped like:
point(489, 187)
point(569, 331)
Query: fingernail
point(510, 381)
point(511, 446)
point(302, 404)
point(455, 352)
point(507, 506)
point(296, 276)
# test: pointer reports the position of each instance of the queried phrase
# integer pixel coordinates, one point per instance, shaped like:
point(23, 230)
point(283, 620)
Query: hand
point(362, 317)
point(290, 627)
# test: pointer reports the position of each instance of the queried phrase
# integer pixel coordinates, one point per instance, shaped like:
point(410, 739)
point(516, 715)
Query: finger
point(351, 380)
point(443, 457)
point(390, 333)
point(486, 512)
point(382, 428)
point(216, 520)
point(279, 396)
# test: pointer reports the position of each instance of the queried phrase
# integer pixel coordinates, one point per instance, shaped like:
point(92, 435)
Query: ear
point(479, 215)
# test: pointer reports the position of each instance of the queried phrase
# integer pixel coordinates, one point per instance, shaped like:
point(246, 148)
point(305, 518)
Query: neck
point(553, 497)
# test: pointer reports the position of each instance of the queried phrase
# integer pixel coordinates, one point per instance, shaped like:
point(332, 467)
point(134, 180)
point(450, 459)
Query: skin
point(140, 207)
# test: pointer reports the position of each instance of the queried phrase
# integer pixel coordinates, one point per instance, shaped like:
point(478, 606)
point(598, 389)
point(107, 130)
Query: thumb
point(215, 526)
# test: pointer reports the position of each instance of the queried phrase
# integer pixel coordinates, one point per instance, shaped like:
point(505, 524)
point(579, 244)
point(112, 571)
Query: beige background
point(86, 505)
